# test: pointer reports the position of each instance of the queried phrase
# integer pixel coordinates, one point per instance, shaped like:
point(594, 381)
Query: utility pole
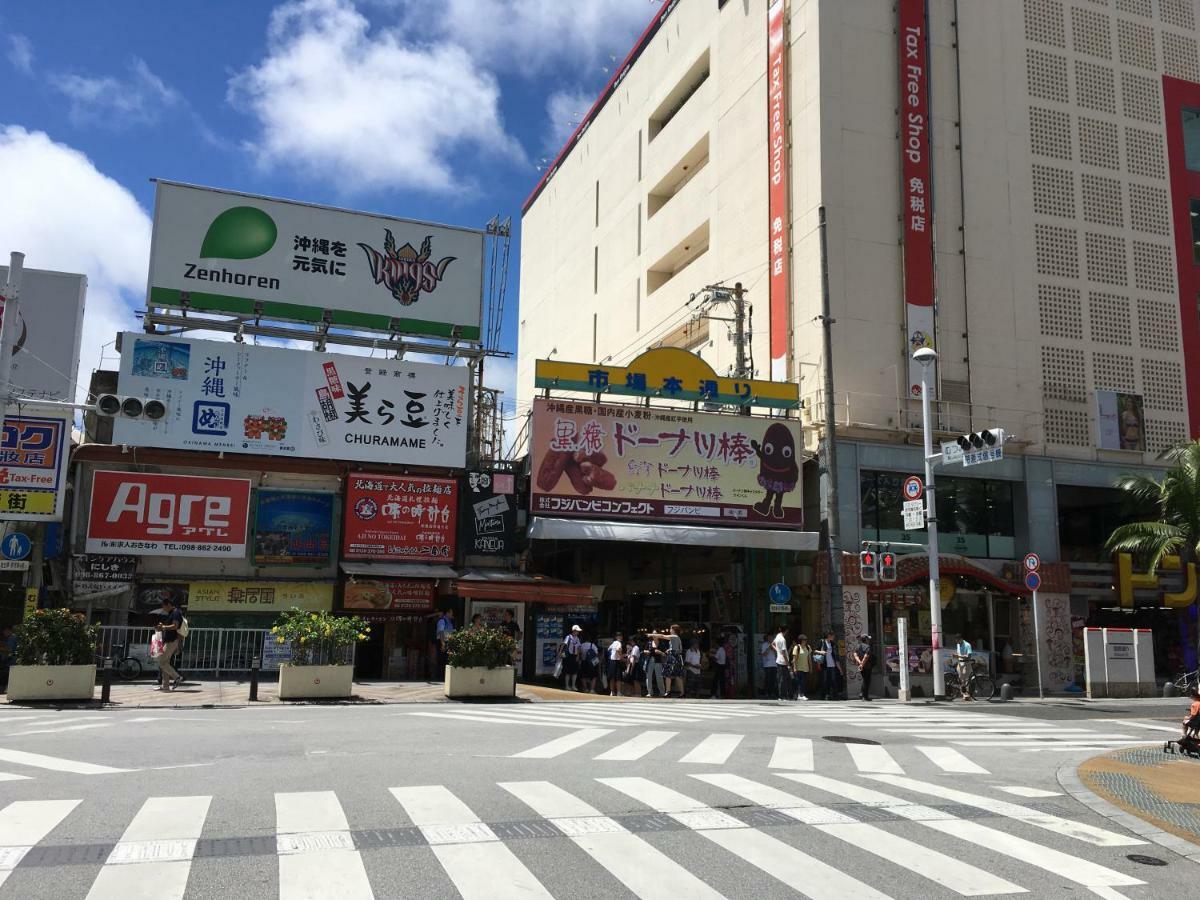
point(926, 357)
point(829, 475)
point(739, 327)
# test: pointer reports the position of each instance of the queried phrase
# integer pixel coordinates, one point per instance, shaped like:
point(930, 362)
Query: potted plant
point(55, 657)
point(479, 664)
point(322, 657)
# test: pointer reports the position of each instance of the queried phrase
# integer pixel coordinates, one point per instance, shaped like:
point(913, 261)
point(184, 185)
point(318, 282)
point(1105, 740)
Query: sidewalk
point(1155, 794)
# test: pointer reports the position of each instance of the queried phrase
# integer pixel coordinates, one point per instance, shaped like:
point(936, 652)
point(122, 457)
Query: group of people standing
point(792, 667)
point(653, 661)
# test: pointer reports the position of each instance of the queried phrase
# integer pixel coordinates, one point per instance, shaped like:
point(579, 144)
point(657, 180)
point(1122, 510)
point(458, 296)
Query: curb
point(1069, 780)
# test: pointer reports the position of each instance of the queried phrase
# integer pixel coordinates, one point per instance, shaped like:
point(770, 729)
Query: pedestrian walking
point(634, 670)
point(720, 662)
point(169, 631)
point(864, 658)
point(673, 660)
point(653, 661)
point(589, 665)
point(691, 669)
point(568, 652)
point(801, 665)
point(783, 664)
point(513, 630)
point(445, 628)
point(770, 666)
point(831, 667)
point(616, 664)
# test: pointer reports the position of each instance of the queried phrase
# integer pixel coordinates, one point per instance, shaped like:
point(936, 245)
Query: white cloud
point(138, 99)
point(532, 36)
point(367, 109)
point(564, 111)
point(20, 53)
point(67, 216)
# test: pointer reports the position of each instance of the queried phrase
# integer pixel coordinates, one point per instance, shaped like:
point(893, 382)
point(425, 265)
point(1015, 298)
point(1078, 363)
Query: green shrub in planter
point(319, 638)
point(56, 637)
point(488, 648)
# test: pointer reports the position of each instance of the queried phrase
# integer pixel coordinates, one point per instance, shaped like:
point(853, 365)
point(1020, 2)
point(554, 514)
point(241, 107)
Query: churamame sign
point(220, 251)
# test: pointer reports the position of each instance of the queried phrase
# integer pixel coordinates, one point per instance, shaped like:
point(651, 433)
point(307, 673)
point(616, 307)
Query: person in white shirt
point(569, 649)
point(964, 661)
point(720, 658)
point(589, 664)
point(616, 656)
point(634, 671)
point(769, 665)
point(691, 669)
point(783, 664)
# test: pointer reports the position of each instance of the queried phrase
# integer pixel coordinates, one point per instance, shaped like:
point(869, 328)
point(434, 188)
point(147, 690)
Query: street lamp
point(927, 356)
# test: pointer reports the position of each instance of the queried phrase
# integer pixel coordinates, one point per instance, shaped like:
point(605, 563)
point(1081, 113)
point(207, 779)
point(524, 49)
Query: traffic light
point(887, 566)
point(982, 440)
point(868, 566)
point(111, 405)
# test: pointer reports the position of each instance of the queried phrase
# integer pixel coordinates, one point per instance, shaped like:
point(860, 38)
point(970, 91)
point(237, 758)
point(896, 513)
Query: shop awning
point(495, 584)
point(397, 570)
point(654, 533)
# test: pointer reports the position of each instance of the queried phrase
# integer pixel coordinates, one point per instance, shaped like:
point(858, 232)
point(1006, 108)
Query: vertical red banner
point(777, 197)
point(917, 190)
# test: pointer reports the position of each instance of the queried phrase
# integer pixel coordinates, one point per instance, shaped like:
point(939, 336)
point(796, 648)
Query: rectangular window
point(1194, 209)
point(675, 100)
point(1191, 138)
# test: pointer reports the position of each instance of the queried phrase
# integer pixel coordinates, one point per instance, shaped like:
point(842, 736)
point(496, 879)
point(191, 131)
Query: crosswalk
point(698, 834)
point(604, 714)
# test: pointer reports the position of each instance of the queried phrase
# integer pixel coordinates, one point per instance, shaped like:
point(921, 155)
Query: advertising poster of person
point(1121, 421)
point(629, 462)
point(293, 527)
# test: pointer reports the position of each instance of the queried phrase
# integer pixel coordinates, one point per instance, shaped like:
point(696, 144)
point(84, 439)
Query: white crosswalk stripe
point(154, 856)
point(715, 749)
point(637, 747)
point(565, 744)
point(56, 763)
point(950, 760)
point(316, 853)
point(479, 865)
point(23, 824)
point(792, 753)
point(616, 714)
point(869, 758)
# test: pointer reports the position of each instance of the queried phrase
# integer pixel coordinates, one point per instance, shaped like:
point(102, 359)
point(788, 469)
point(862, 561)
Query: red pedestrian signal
point(868, 566)
point(887, 566)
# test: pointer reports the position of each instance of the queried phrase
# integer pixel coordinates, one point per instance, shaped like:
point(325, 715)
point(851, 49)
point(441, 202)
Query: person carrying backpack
point(589, 666)
point(172, 630)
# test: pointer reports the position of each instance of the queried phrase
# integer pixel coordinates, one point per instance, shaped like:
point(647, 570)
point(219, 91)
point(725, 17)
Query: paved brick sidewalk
point(1160, 789)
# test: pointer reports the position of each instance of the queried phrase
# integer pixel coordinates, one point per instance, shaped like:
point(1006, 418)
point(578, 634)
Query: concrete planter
point(51, 683)
point(315, 682)
point(478, 681)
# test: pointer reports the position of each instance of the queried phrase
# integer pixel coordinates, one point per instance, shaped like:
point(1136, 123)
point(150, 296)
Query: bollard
point(1006, 691)
point(1169, 690)
point(106, 680)
point(255, 665)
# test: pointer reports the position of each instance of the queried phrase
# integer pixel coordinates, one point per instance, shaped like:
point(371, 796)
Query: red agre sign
point(146, 514)
point(400, 518)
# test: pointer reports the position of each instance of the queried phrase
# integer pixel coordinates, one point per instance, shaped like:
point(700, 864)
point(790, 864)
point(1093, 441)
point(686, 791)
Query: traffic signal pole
point(935, 595)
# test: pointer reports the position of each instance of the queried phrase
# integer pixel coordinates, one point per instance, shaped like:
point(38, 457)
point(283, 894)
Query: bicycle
point(980, 687)
point(127, 667)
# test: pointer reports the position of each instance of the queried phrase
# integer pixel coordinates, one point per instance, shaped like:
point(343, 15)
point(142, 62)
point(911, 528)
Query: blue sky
point(430, 109)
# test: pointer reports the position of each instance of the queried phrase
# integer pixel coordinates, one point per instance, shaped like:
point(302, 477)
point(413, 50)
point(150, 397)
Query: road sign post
point(905, 693)
point(1033, 581)
point(913, 512)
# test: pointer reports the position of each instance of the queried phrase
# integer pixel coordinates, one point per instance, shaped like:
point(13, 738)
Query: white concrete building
point(1059, 203)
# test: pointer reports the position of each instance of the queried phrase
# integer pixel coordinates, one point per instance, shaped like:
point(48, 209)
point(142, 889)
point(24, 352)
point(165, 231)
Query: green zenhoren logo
point(242, 232)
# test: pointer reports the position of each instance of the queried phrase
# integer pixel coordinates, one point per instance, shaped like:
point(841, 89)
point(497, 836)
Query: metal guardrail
point(213, 650)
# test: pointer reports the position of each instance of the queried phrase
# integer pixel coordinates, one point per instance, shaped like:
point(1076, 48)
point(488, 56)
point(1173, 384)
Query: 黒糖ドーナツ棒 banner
point(297, 403)
point(630, 462)
point(236, 253)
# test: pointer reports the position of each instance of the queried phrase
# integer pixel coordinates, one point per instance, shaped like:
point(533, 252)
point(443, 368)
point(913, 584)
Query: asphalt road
point(649, 799)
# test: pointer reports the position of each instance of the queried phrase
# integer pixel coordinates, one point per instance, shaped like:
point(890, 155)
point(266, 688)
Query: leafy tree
point(1176, 530)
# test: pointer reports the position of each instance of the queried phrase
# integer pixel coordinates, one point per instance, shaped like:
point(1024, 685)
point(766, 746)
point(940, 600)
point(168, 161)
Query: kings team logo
point(405, 272)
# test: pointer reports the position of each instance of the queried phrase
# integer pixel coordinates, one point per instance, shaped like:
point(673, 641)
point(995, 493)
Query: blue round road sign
point(780, 593)
point(1033, 580)
point(16, 546)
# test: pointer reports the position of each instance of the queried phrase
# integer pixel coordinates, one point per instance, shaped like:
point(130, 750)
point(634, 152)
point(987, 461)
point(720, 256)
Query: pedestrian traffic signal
point(887, 566)
point(982, 440)
point(868, 566)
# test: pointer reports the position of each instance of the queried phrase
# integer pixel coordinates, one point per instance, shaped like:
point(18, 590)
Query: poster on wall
point(293, 527)
point(489, 514)
point(402, 595)
point(33, 460)
point(259, 596)
point(223, 396)
point(392, 518)
point(916, 173)
point(492, 612)
point(1121, 421)
point(629, 462)
point(93, 574)
point(156, 514)
point(239, 253)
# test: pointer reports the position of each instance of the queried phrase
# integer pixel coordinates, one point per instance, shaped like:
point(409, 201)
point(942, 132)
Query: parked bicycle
point(1187, 682)
point(127, 667)
point(980, 686)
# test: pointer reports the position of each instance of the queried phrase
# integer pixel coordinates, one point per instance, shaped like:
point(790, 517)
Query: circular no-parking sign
point(913, 488)
point(1033, 580)
point(1032, 562)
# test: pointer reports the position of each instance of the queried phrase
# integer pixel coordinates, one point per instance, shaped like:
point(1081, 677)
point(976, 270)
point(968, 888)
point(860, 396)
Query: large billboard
point(33, 462)
point(154, 514)
point(916, 193)
point(221, 251)
point(293, 527)
point(398, 519)
point(630, 462)
point(239, 398)
point(489, 515)
point(46, 335)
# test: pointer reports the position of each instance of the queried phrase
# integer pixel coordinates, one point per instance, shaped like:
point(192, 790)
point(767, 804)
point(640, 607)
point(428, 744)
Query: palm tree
point(1176, 531)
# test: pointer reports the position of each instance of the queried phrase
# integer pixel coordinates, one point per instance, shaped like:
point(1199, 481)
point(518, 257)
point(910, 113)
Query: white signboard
point(951, 452)
point(913, 512)
point(979, 457)
point(296, 403)
point(226, 252)
point(46, 334)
